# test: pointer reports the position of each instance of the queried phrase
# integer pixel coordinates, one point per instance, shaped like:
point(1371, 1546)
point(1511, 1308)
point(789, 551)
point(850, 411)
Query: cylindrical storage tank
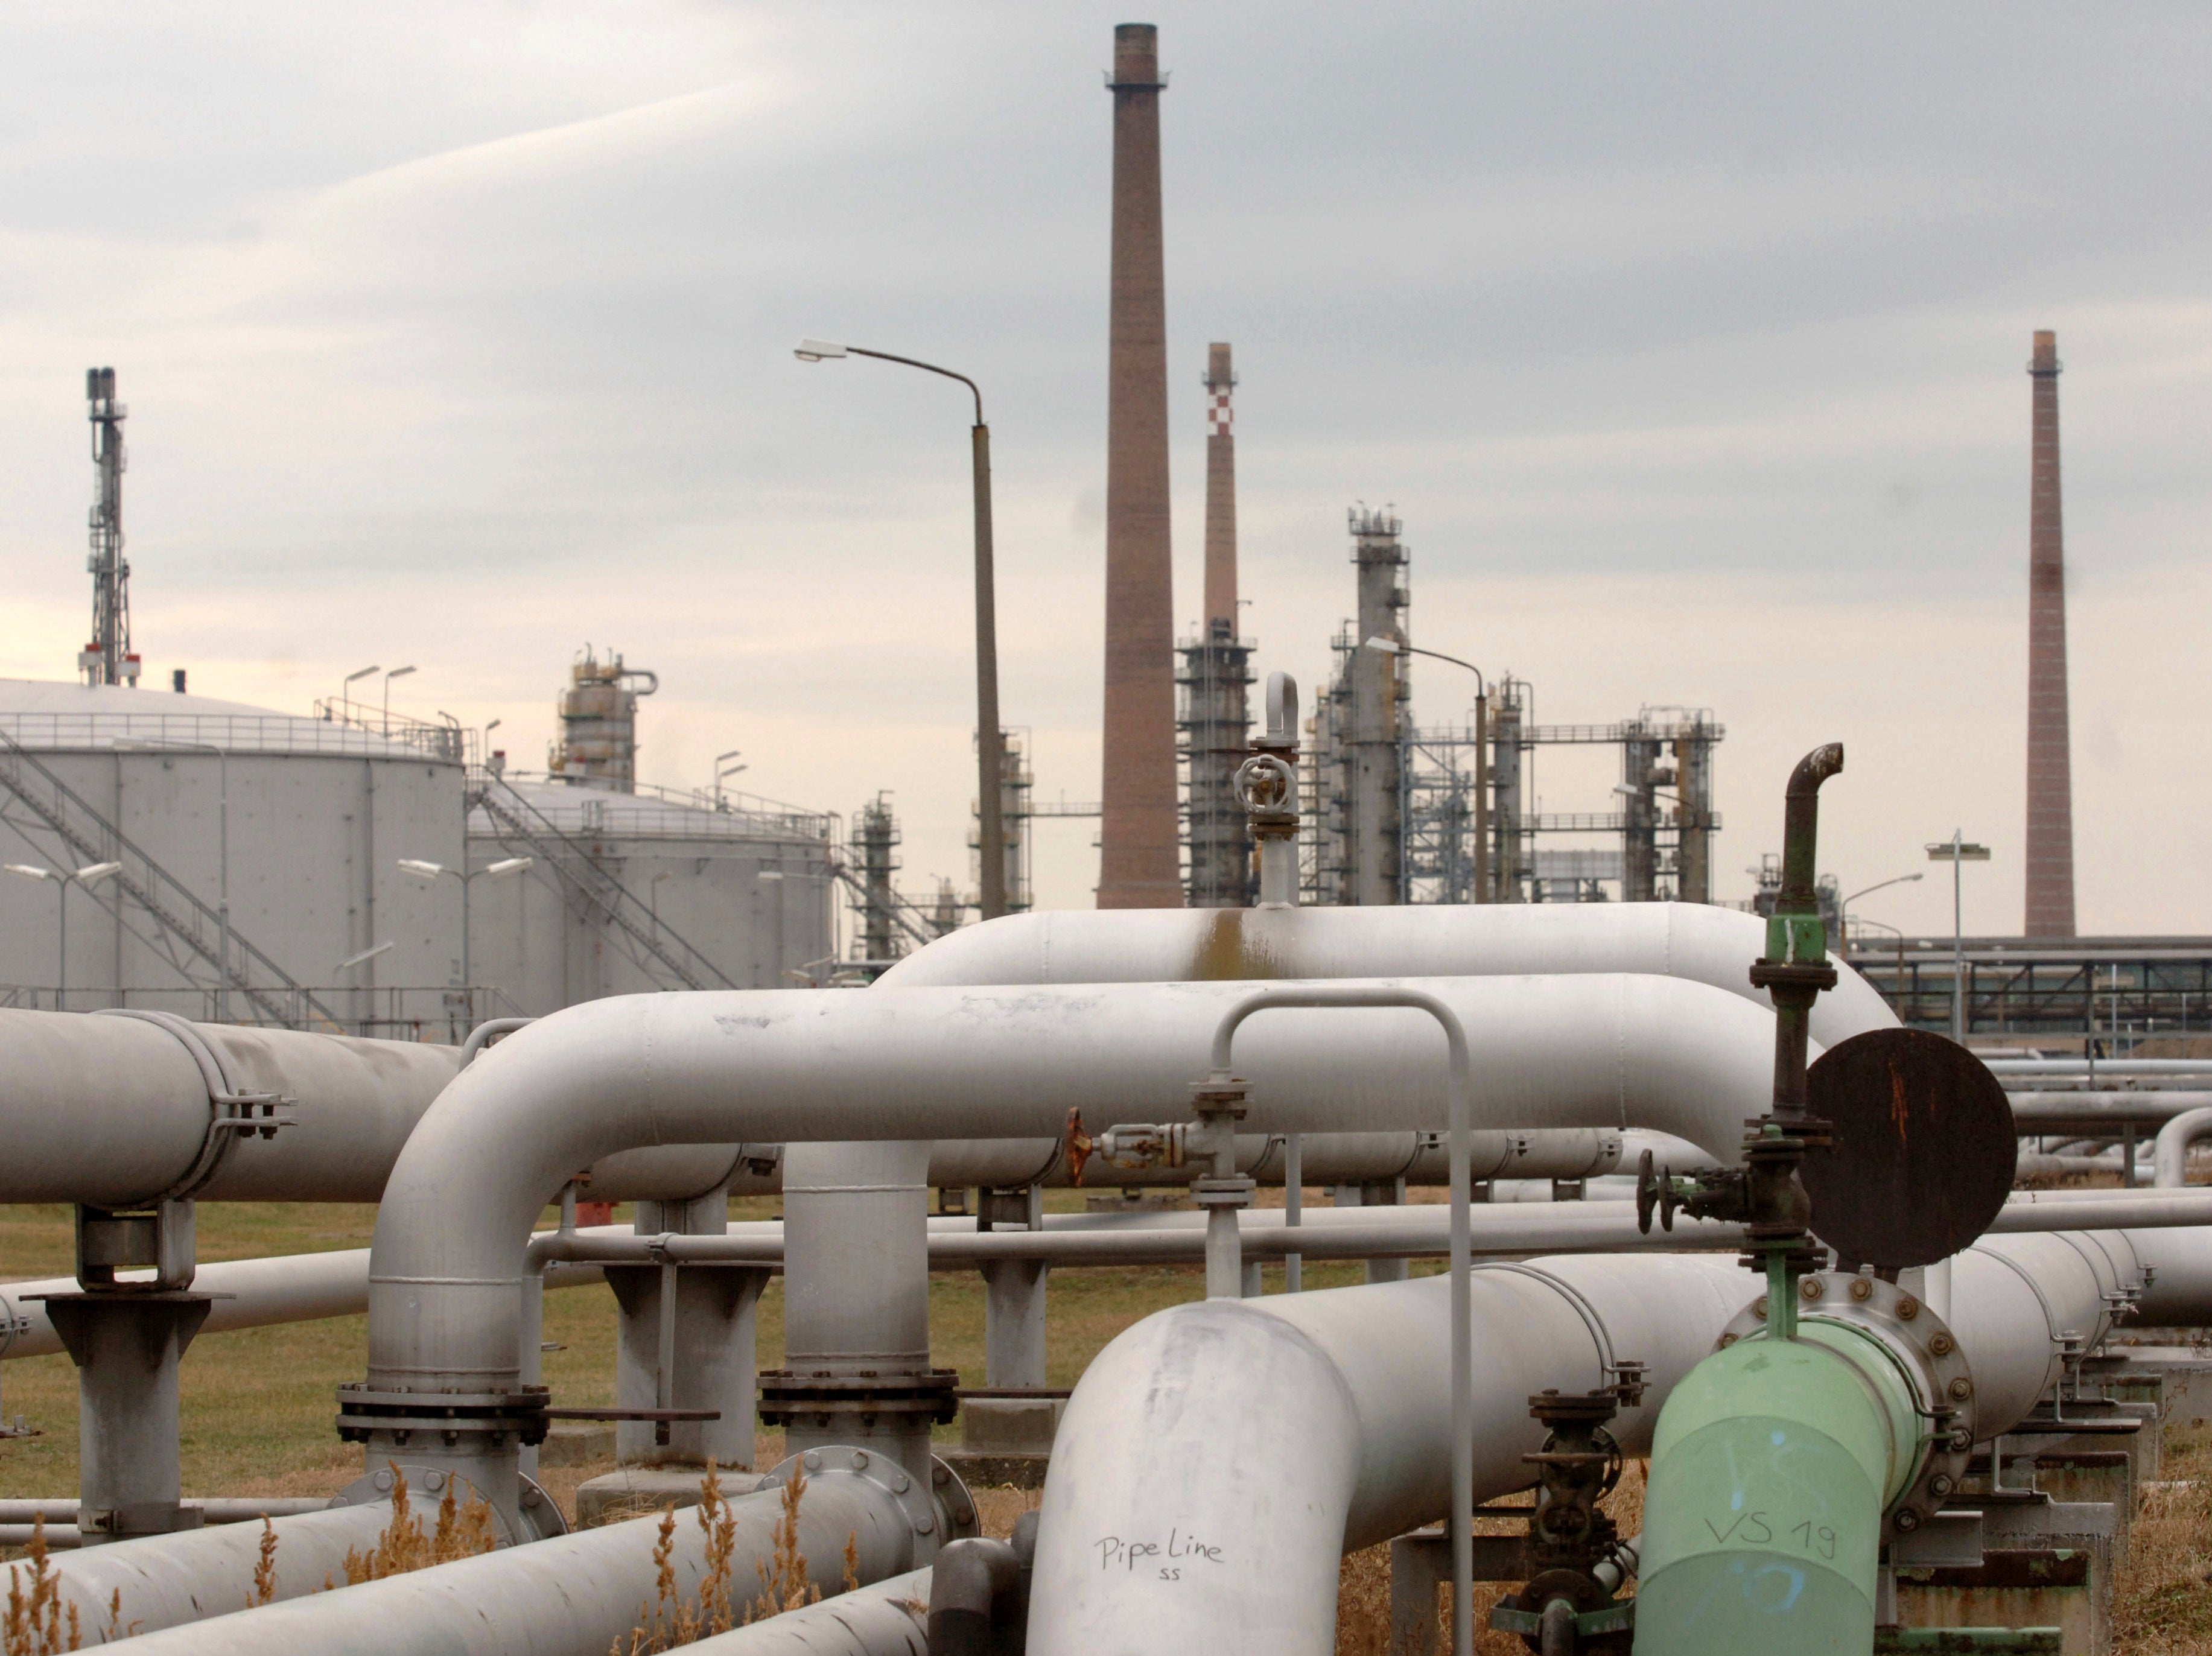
point(738, 897)
point(320, 812)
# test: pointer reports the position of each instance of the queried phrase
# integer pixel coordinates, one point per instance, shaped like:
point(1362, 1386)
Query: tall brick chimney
point(2050, 760)
point(1139, 860)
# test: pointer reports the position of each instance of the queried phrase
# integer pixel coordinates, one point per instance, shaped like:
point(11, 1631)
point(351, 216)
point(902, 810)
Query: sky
point(1687, 340)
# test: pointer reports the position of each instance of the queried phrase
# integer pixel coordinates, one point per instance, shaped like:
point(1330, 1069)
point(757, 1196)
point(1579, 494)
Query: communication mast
point(109, 659)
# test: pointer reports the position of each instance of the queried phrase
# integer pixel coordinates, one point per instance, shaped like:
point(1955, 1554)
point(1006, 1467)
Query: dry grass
point(257, 1405)
point(2163, 1604)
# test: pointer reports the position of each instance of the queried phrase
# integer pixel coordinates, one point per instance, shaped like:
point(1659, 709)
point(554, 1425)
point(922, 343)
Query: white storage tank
point(324, 929)
point(628, 892)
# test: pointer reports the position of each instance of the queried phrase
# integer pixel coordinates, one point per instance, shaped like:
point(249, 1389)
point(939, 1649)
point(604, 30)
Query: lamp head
point(508, 865)
point(818, 351)
point(421, 870)
point(93, 873)
point(1389, 647)
point(28, 872)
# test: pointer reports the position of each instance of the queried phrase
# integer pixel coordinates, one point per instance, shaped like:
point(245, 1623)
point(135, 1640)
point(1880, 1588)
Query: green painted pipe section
point(1771, 1468)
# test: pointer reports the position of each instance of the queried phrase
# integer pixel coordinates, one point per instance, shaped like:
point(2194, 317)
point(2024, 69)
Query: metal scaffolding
point(1215, 728)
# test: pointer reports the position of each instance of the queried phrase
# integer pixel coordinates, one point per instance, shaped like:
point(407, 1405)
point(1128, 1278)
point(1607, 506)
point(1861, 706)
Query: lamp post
point(352, 679)
point(223, 854)
point(1844, 905)
point(396, 672)
point(721, 773)
point(989, 758)
point(1390, 646)
point(498, 870)
point(1958, 851)
point(87, 876)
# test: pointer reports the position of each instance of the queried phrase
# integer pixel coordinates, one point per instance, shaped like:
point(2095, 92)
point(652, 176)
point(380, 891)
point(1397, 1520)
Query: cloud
point(1687, 342)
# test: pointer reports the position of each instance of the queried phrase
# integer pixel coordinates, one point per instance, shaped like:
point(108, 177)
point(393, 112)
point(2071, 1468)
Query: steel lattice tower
point(109, 659)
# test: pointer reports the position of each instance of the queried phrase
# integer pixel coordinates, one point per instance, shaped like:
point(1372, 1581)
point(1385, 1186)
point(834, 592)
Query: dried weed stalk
point(463, 1531)
point(264, 1568)
point(39, 1622)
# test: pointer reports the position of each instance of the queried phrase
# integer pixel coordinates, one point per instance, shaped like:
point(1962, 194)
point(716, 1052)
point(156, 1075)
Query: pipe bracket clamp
point(233, 1112)
point(788, 1395)
point(365, 1410)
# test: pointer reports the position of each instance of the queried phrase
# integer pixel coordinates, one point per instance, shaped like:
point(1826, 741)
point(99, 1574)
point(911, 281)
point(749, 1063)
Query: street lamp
point(1844, 905)
point(223, 855)
point(498, 870)
point(352, 679)
point(396, 672)
point(87, 876)
point(721, 774)
point(1390, 646)
point(989, 757)
point(1958, 851)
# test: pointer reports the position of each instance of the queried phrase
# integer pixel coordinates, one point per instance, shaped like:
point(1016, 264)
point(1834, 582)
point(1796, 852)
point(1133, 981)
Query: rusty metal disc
point(1923, 1150)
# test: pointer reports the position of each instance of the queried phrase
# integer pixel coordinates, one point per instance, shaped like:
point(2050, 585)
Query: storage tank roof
point(44, 715)
point(650, 814)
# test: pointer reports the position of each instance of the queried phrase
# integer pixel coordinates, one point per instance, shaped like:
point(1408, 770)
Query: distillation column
point(1377, 760)
point(108, 658)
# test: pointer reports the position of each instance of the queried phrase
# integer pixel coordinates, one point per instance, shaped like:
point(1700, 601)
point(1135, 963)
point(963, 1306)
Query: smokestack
point(1216, 676)
point(2050, 761)
point(1138, 860)
point(1220, 491)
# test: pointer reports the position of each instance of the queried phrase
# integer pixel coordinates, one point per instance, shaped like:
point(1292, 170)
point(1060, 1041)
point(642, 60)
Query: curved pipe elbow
point(2170, 1159)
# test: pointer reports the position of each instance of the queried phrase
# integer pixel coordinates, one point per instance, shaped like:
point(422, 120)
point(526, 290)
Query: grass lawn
point(260, 1405)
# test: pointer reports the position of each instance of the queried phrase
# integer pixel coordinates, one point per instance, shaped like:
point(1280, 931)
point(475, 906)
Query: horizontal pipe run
point(1174, 1516)
point(164, 1580)
point(890, 1618)
point(285, 1289)
point(2115, 1068)
point(213, 1509)
point(1693, 942)
point(1422, 1231)
point(2042, 1111)
point(827, 1066)
point(574, 1595)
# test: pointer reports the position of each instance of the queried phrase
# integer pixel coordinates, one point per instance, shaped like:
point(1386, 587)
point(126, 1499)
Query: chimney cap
point(1136, 58)
point(2045, 359)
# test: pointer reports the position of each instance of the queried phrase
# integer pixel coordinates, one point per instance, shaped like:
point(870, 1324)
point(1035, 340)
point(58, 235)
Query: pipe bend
point(822, 1065)
point(2170, 1158)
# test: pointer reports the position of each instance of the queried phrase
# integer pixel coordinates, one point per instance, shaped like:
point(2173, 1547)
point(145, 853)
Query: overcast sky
point(1687, 340)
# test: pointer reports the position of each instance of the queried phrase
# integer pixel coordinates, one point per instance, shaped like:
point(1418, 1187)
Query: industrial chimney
point(2050, 762)
point(1216, 676)
point(1139, 865)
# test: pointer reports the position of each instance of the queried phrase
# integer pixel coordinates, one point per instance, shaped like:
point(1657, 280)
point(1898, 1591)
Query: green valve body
point(1771, 1469)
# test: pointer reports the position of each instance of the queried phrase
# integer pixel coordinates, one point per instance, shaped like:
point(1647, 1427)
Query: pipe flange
point(538, 1518)
point(365, 1413)
point(1923, 1346)
point(789, 1395)
point(938, 1510)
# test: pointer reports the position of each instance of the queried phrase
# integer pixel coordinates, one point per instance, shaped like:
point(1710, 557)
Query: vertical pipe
point(990, 803)
point(1294, 1208)
point(1224, 1257)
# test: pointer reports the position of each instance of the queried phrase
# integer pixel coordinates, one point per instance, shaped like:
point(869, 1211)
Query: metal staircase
point(572, 860)
point(187, 930)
